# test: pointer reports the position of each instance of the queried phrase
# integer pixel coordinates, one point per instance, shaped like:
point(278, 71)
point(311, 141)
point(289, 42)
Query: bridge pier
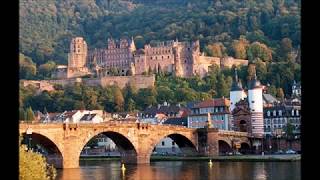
point(135, 159)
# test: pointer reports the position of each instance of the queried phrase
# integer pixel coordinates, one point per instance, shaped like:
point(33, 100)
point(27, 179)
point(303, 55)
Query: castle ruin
point(121, 58)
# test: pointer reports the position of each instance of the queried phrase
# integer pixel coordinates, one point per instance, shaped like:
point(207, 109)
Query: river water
point(163, 170)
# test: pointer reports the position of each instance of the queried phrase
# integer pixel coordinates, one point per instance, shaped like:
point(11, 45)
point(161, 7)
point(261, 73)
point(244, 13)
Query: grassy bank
point(248, 158)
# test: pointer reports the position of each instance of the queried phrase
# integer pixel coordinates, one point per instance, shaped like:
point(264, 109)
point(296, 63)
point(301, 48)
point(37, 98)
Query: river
point(101, 170)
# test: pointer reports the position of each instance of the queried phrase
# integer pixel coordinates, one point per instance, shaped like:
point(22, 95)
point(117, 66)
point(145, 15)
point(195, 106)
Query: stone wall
point(140, 81)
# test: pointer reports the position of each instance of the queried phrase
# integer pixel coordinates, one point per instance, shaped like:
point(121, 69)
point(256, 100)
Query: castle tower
point(178, 71)
point(78, 53)
point(132, 45)
point(256, 106)
point(123, 43)
point(236, 93)
point(111, 44)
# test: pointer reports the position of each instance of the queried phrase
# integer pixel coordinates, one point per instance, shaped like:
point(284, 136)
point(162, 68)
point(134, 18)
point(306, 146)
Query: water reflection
point(183, 170)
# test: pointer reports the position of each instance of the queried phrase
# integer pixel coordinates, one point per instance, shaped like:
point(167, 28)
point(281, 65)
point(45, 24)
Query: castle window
point(185, 61)
point(252, 101)
point(162, 143)
point(162, 57)
point(268, 113)
point(168, 57)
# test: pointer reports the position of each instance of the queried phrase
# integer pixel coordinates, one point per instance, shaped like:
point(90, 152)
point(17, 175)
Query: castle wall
point(121, 81)
point(228, 62)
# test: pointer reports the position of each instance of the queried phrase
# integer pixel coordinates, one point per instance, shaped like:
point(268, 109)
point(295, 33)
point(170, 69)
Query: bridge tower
point(256, 106)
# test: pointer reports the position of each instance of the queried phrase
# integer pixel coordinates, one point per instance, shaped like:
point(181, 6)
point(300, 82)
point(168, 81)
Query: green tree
point(289, 134)
point(46, 70)
point(259, 50)
point(130, 105)
point(30, 115)
point(222, 86)
point(165, 94)
point(22, 114)
point(251, 72)
point(27, 68)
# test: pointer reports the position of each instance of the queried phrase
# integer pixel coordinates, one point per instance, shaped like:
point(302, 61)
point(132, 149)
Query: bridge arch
point(224, 147)
point(186, 145)
point(52, 151)
point(124, 144)
point(245, 148)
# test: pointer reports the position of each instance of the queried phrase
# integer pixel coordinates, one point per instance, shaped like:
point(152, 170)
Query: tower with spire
point(255, 100)
point(236, 93)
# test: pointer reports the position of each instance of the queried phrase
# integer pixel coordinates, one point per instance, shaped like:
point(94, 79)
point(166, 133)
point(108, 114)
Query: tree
point(286, 49)
point(216, 50)
point(261, 70)
point(289, 134)
point(239, 48)
point(165, 94)
point(222, 87)
point(251, 72)
point(280, 93)
point(130, 105)
point(30, 115)
point(27, 68)
point(118, 99)
point(22, 114)
point(33, 166)
point(259, 50)
point(46, 70)
point(272, 90)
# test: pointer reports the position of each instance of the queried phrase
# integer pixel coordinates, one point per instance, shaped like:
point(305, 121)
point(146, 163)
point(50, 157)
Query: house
point(216, 109)
point(160, 113)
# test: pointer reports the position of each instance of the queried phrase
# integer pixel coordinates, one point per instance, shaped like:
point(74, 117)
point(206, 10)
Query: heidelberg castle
point(182, 59)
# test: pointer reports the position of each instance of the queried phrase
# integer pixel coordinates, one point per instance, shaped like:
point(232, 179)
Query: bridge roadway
point(135, 141)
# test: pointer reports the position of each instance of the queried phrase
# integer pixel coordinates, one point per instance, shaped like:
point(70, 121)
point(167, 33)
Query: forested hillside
point(46, 26)
point(267, 32)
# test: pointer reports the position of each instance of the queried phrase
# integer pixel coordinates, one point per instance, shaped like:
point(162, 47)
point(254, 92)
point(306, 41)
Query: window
point(274, 113)
point(268, 113)
point(172, 143)
point(280, 113)
point(162, 143)
point(297, 112)
point(252, 101)
point(292, 112)
point(168, 57)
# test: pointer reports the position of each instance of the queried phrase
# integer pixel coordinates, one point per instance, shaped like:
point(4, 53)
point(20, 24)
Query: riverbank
point(248, 158)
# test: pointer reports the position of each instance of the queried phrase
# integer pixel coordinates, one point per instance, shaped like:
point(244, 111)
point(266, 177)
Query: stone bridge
point(135, 141)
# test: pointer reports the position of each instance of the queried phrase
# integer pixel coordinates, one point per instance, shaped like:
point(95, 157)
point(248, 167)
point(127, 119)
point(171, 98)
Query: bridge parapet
point(233, 133)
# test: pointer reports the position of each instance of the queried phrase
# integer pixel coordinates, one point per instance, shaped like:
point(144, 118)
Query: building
point(160, 113)
point(277, 118)
point(182, 59)
point(296, 89)
point(247, 108)
point(217, 110)
point(75, 116)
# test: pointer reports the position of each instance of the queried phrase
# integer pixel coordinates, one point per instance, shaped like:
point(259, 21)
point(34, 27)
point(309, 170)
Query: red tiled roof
point(213, 102)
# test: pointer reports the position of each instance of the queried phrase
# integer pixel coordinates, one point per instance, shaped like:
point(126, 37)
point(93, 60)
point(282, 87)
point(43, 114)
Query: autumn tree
point(216, 50)
point(118, 99)
point(239, 48)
